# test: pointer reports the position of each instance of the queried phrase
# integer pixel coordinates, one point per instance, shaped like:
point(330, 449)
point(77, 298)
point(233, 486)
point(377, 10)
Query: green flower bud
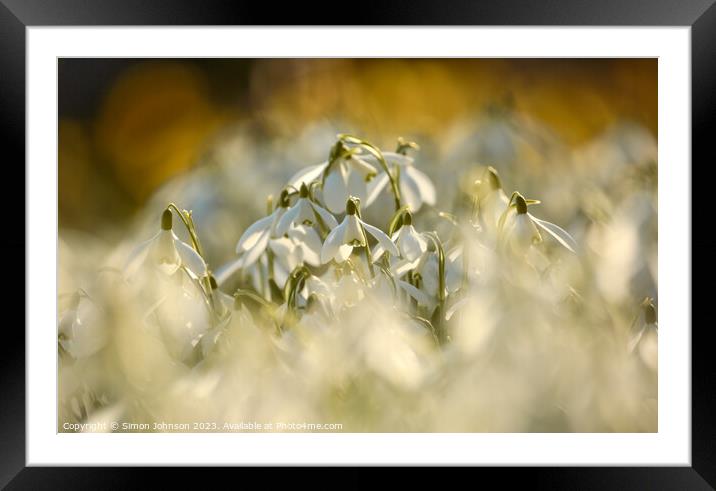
point(521, 205)
point(303, 192)
point(650, 313)
point(407, 218)
point(339, 150)
point(351, 208)
point(167, 219)
point(283, 200)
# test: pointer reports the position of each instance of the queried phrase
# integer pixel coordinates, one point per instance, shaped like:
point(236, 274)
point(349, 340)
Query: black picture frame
point(700, 15)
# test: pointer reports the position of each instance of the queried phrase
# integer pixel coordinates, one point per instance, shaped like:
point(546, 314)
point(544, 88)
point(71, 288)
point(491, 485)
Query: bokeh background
point(127, 126)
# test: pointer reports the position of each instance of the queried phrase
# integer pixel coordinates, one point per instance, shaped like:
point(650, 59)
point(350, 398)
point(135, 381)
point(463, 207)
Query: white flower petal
point(190, 258)
point(335, 193)
point(332, 243)
point(225, 271)
point(418, 295)
point(523, 233)
point(344, 252)
point(307, 175)
point(286, 255)
point(277, 214)
point(286, 220)
point(353, 234)
point(316, 285)
point(310, 243)
point(402, 266)
point(557, 232)
point(305, 214)
point(280, 274)
point(377, 252)
point(282, 246)
point(429, 270)
point(164, 252)
point(325, 215)
point(382, 239)
point(361, 167)
point(455, 307)
point(410, 193)
point(357, 186)
point(137, 257)
point(410, 243)
point(375, 187)
point(422, 183)
point(255, 252)
point(252, 234)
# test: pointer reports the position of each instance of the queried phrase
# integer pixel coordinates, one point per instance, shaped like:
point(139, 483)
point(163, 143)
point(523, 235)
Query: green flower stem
point(368, 254)
point(439, 313)
point(253, 296)
point(189, 224)
point(441, 265)
point(397, 221)
point(375, 151)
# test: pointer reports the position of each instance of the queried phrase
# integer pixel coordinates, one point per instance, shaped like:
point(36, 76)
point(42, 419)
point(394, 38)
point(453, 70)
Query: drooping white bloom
point(346, 174)
point(349, 234)
point(286, 256)
point(308, 242)
point(644, 341)
point(182, 317)
point(166, 252)
point(223, 305)
point(81, 330)
point(411, 244)
point(255, 239)
point(523, 229)
point(304, 212)
point(427, 268)
point(415, 186)
point(347, 292)
point(492, 198)
point(301, 245)
point(347, 177)
point(313, 285)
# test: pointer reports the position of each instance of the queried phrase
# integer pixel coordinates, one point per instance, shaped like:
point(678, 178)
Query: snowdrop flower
point(524, 229)
point(286, 257)
point(411, 244)
point(351, 233)
point(166, 252)
point(182, 317)
point(81, 329)
point(223, 305)
point(345, 175)
point(644, 342)
point(304, 212)
point(492, 198)
point(255, 239)
point(314, 287)
point(347, 292)
point(415, 187)
point(308, 242)
point(427, 269)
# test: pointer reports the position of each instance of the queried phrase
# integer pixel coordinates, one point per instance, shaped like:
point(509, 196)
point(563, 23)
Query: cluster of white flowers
point(315, 268)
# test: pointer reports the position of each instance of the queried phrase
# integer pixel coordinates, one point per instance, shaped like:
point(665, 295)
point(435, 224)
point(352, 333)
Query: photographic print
point(357, 245)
